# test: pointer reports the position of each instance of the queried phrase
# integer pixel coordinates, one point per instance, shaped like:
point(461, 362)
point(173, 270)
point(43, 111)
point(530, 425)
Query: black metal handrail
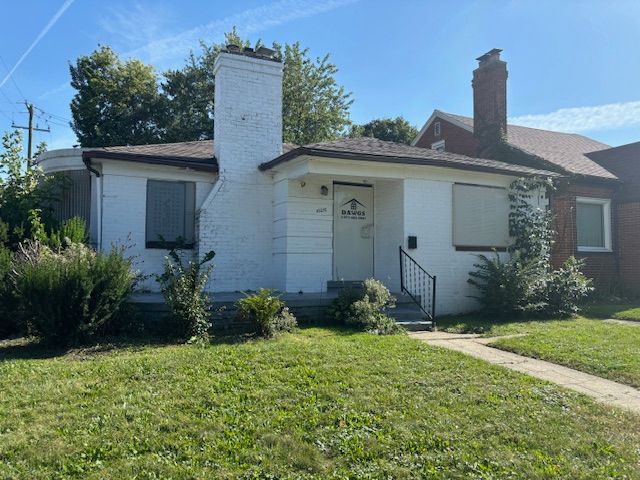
point(419, 284)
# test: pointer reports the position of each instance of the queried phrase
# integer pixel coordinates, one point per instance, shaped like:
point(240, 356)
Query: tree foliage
point(397, 130)
point(119, 103)
point(25, 192)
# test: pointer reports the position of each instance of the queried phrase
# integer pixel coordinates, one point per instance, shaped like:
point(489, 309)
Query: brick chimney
point(237, 215)
point(490, 99)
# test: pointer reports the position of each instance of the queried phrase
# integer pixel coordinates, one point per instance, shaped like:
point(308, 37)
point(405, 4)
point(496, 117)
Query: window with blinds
point(170, 214)
point(480, 217)
point(593, 224)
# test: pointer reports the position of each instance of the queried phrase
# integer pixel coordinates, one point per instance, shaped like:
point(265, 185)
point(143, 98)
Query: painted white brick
point(236, 220)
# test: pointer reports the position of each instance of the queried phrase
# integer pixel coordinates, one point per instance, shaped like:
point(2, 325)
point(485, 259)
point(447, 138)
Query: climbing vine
point(525, 283)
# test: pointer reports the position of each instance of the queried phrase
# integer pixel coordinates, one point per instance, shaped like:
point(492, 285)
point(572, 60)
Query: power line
point(59, 117)
point(13, 80)
point(6, 97)
point(31, 129)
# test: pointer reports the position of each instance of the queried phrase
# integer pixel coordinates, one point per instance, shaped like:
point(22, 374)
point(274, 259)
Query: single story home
point(297, 218)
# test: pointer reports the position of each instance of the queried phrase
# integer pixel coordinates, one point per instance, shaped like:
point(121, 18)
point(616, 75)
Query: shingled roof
point(564, 150)
point(197, 155)
point(374, 150)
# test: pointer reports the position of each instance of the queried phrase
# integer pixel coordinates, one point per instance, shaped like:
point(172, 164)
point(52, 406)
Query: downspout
point(91, 169)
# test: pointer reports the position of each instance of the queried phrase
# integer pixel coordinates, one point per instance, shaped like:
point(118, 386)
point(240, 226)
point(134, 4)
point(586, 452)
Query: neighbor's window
point(436, 129)
point(480, 217)
point(170, 213)
point(438, 146)
point(593, 224)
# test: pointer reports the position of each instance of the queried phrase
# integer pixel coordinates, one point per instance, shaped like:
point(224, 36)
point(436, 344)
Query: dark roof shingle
point(196, 154)
point(566, 150)
point(372, 149)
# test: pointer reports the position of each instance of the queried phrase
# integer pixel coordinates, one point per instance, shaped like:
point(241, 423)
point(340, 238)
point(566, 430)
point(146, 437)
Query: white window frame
point(438, 146)
point(606, 214)
point(436, 129)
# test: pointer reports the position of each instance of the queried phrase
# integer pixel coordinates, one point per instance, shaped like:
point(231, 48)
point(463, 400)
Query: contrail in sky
point(42, 33)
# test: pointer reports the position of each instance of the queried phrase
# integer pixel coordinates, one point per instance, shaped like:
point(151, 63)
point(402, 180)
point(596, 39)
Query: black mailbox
point(412, 242)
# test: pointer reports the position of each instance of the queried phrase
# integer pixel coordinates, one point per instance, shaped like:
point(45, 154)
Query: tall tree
point(390, 129)
point(123, 103)
point(315, 107)
point(117, 103)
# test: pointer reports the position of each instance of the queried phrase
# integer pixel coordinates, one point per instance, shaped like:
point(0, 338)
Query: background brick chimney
point(490, 99)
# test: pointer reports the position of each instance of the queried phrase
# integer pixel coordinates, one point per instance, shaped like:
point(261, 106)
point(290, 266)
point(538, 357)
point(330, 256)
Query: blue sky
point(573, 65)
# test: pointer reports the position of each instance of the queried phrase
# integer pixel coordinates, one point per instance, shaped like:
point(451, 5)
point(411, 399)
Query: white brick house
point(292, 218)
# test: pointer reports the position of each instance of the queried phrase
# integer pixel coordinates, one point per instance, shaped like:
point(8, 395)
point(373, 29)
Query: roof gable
point(564, 150)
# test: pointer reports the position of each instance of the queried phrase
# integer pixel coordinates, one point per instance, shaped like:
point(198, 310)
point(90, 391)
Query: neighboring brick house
point(596, 203)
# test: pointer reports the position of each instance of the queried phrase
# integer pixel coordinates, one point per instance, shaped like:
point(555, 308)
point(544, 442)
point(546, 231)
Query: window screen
point(590, 225)
point(170, 213)
point(480, 216)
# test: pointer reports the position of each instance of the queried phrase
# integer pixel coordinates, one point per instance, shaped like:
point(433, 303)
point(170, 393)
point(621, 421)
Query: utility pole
point(31, 129)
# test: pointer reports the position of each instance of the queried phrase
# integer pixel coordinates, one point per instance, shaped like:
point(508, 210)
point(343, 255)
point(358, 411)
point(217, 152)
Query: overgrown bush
point(506, 288)
point(183, 287)
point(565, 288)
point(69, 296)
point(267, 311)
point(69, 232)
point(366, 308)
point(525, 283)
point(8, 323)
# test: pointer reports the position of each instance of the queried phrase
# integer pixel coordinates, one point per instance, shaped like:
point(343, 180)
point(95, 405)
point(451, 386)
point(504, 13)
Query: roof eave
point(208, 165)
point(397, 160)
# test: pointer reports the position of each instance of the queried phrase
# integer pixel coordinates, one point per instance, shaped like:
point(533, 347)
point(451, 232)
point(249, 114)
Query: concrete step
point(333, 285)
point(418, 326)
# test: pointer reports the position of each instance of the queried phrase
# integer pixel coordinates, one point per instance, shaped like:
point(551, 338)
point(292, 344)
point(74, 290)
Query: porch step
point(333, 285)
point(408, 315)
point(417, 326)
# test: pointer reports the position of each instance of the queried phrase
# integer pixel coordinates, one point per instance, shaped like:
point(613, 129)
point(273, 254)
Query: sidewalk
point(605, 391)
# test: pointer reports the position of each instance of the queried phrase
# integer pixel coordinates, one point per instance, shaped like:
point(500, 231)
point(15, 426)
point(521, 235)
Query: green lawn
point(609, 350)
point(623, 311)
point(320, 403)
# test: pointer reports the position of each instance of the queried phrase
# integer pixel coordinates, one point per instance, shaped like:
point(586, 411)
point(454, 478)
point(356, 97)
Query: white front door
point(352, 232)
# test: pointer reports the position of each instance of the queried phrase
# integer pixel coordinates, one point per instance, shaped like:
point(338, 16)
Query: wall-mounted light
point(324, 190)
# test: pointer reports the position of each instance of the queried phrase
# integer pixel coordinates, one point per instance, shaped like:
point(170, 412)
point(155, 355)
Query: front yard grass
point(320, 403)
point(620, 311)
point(609, 350)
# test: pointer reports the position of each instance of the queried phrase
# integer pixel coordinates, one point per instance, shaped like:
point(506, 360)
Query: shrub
point(366, 309)
point(73, 230)
point(70, 296)
point(268, 312)
point(183, 287)
point(505, 287)
point(8, 323)
point(526, 283)
point(565, 289)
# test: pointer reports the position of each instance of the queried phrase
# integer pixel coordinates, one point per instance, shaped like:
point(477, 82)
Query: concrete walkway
point(631, 323)
point(605, 391)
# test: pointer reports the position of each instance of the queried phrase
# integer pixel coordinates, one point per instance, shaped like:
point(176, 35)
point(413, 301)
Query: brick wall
point(457, 139)
point(628, 215)
point(602, 267)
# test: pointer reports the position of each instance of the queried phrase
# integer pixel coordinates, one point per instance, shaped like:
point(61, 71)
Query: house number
point(321, 210)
